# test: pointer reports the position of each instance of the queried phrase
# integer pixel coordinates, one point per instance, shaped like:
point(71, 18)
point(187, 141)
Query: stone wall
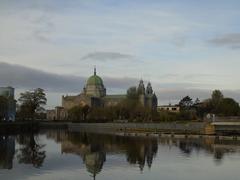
point(191, 128)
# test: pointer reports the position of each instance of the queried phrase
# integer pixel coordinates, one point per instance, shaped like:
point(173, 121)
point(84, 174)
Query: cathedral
point(94, 95)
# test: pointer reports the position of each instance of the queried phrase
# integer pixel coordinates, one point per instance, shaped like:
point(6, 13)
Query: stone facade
point(59, 113)
point(94, 95)
point(147, 97)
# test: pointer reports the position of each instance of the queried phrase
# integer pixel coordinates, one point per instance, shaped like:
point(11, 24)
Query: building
point(147, 97)
point(94, 94)
point(7, 104)
point(169, 108)
point(59, 113)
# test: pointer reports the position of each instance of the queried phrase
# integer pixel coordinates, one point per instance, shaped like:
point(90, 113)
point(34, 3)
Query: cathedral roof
point(94, 79)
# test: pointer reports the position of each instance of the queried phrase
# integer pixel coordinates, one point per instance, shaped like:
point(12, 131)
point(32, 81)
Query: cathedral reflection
point(93, 148)
point(92, 153)
point(7, 151)
point(94, 159)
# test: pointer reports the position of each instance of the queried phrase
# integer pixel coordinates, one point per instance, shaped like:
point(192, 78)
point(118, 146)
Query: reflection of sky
point(169, 163)
point(197, 42)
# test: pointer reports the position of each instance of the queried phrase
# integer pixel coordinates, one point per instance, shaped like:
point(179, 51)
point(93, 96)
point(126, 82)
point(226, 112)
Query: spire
point(149, 88)
point(141, 88)
point(95, 72)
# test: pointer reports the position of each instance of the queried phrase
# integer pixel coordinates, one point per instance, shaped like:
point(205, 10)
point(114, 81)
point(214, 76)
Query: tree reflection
point(218, 156)
point(141, 151)
point(30, 151)
point(7, 151)
point(138, 150)
point(218, 148)
point(185, 147)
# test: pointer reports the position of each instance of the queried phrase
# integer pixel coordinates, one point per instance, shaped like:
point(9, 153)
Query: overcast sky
point(182, 47)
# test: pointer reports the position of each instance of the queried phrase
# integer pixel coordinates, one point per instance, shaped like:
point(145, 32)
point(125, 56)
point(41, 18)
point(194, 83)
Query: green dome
point(94, 80)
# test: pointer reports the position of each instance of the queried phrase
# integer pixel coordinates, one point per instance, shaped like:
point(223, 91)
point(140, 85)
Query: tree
point(132, 93)
point(79, 113)
point(197, 101)
point(85, 111)
point(217, 97)
point(32, 101)
point(186, 102)
point(229, 107)
point(220, 105)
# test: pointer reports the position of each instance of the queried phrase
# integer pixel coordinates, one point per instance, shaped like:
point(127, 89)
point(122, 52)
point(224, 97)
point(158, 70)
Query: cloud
point(105, 56)
point(230, 40)
point(23, 78)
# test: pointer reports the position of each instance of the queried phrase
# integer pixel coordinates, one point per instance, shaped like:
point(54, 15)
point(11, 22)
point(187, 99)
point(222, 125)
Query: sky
point(186, 47)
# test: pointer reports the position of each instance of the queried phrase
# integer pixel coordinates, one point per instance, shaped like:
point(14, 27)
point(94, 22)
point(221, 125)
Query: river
point(59, 154)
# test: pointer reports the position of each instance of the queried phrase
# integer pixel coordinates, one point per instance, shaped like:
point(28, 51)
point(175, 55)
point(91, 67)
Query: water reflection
point(141, 151)
point(30, 151)
point(88, 147)
point(7, 151)
point(94, 149)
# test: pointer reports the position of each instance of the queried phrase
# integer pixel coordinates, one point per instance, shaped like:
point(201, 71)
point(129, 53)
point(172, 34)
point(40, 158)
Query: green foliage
point(186, 103)
point(122, 111)
point(132, 93)
point(184, 115)
point(187, 115)
point(228, 107)
point(78, 113)
point(101, 114)
point(216, 99)
point(219, 105)
point(217, 96)
point(130, 109)
point(31, 102)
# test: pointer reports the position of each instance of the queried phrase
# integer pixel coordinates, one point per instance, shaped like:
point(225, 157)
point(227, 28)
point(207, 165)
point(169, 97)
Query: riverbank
point(170, 128)
point(176, 128)
point(18, 127)
point(173, 129)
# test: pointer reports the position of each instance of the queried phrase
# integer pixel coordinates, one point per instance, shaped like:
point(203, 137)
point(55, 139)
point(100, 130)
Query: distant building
point(94, 95)
point(169, 108)
point(7, 104)
point(59, 113)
